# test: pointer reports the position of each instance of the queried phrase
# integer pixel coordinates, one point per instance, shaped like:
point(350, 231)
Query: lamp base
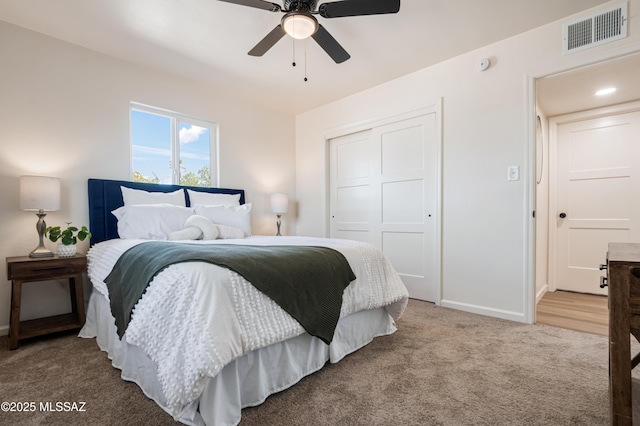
point(278, 224)
point(41, 227)
point(41, 252)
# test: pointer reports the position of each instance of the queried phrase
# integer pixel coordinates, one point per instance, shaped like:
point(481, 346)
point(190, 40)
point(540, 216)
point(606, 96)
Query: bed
point(202, 341)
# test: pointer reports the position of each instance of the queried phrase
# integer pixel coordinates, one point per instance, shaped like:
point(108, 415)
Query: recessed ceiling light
point(607, 91)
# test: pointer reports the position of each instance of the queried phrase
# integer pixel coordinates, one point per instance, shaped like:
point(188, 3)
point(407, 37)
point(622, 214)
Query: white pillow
point(151, 221)
point(209, 199)
point(235, 216)
point(137, 196)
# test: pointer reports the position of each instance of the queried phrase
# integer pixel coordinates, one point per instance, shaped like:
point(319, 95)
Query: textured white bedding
point(246, 381)
point(196, 318)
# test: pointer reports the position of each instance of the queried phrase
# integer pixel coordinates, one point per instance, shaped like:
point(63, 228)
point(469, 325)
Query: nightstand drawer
point(24, 267)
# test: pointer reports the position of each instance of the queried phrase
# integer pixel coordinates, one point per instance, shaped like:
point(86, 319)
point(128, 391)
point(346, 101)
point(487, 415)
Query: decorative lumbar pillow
point(208, 229)
point(234, 216)
point(151, 221)
point(190, 233)
point(209, 199)
point(137, 196)
point(229, 232)
point(196, 228)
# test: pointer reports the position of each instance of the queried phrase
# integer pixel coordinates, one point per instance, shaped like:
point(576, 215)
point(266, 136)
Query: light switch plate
point(513, 173)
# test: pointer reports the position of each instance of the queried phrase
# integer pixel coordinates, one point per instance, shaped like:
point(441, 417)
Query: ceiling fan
point(300, 23)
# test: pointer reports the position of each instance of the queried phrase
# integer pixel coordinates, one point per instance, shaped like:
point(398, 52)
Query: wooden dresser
point(623, 278)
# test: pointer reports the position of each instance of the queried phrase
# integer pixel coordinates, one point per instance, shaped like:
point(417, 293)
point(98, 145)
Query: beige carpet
point(442, 367)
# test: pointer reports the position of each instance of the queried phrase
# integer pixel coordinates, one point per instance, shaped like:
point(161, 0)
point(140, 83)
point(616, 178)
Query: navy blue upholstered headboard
point(106, 196)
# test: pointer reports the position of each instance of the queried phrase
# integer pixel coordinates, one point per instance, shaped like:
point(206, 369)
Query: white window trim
point(177, 117)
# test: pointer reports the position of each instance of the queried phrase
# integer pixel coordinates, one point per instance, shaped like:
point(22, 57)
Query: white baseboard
point(483, 310)
point(541, 293)
point(4, 330)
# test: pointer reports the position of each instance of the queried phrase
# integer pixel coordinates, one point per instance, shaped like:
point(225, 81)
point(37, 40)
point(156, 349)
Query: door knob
point(563, 215)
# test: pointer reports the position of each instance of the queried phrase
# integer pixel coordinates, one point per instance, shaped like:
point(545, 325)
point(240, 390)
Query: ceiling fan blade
point(258, 4)
point(339, 9)
point(267, 43)
point(330, 45)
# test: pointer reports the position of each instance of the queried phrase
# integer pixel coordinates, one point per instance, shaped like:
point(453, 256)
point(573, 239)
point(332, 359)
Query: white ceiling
point(575, 90)
point(208, 40)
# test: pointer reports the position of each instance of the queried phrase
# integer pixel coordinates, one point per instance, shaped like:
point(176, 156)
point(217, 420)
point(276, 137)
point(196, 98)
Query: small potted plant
point(68, 238)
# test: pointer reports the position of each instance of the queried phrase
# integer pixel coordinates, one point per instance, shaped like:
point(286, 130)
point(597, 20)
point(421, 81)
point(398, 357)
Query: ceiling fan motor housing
point(300, 5)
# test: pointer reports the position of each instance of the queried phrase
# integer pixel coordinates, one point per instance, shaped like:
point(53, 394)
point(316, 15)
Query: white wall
point(64, 112)
point(488, 125)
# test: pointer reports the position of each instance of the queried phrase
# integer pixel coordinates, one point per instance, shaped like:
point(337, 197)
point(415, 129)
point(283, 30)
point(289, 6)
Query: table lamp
point(279, 205)
point(40, 194)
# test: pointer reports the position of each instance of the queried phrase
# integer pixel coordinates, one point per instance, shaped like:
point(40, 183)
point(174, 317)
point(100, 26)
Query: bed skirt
point(247, 381)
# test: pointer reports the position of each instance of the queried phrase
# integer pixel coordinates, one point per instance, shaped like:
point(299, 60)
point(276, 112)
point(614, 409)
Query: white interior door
point(597, 196)
point(384, 190)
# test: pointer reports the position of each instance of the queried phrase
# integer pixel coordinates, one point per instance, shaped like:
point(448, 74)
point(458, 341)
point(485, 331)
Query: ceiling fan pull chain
point(294, 51)
point(305, 60)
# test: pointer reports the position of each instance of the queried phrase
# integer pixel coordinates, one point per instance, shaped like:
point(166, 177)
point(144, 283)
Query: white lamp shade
point(39, 193)
point(299, 26)
point(279, 203)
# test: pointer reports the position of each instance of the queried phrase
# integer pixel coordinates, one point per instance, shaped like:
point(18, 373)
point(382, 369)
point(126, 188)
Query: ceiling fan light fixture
point(299, 25)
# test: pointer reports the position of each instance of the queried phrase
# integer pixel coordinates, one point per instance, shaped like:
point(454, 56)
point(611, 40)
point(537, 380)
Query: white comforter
point(197, 317)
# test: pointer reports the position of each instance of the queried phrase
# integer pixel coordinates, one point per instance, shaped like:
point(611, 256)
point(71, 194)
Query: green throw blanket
point(307, 282)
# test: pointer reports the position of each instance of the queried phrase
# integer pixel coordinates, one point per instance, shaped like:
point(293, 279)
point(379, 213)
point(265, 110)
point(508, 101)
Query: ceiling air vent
point(595, 29)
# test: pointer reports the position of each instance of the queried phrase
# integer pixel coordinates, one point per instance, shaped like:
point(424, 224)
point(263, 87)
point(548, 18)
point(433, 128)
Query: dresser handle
point(603, 282)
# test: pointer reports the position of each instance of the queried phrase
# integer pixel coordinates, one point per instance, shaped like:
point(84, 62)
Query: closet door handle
point(563, 215)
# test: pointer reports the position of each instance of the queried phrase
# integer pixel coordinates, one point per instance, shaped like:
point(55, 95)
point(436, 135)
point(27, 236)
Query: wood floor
point(575, 311)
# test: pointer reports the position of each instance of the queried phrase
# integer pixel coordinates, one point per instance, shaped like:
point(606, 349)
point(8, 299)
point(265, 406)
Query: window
point(168, 147)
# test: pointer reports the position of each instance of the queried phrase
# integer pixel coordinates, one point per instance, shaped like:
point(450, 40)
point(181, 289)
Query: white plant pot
point(66, 251)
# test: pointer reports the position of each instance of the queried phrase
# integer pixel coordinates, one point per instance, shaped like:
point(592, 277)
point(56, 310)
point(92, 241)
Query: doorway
point(564, 94)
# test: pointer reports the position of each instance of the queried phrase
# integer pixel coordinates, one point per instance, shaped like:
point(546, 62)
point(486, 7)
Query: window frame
point(176, 118)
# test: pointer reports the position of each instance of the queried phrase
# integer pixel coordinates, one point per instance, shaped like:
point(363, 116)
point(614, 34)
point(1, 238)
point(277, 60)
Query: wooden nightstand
point(23, 269)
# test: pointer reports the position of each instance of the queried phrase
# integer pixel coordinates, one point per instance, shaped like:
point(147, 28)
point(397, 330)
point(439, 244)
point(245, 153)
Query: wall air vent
point(594, 30)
